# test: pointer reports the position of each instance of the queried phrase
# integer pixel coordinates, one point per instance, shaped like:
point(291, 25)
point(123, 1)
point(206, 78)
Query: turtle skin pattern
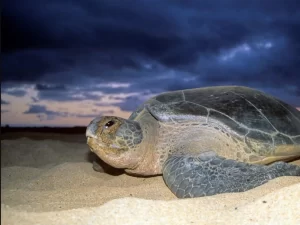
point(209, 174)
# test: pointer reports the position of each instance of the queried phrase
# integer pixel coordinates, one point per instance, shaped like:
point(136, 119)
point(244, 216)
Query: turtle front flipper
point(209, 174)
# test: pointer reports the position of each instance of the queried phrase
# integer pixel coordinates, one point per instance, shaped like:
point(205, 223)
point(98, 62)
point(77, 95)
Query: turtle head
point(115, 140)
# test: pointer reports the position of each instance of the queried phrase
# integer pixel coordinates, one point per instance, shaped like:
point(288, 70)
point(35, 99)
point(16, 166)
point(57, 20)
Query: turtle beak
point(91, 129)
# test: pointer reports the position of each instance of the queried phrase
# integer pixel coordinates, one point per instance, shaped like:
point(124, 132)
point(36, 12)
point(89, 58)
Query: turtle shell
point(247, 111)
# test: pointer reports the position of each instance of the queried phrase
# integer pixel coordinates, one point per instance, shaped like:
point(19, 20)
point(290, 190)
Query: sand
point(51, 181)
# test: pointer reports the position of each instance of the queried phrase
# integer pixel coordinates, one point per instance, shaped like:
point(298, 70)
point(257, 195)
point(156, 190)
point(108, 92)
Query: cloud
point(130, 103)
point(61, 93)
point(15, 92)
point(3, 102)
point(77, 55)
point(47, 87)
point(34, 109)
point(43, 113)
point(175, 35)
point(93, 115)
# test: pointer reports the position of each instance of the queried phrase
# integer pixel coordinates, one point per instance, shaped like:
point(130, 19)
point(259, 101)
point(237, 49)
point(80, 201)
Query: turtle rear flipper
point(285, 153)
point(209, 174)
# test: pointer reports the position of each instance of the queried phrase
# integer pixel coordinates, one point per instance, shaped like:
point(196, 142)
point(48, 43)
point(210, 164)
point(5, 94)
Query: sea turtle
point(204, 141)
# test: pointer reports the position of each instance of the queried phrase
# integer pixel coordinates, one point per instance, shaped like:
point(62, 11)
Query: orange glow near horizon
point(18, 105)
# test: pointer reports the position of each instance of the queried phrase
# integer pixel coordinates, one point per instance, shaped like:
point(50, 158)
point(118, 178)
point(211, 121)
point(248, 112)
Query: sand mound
point(52, 182)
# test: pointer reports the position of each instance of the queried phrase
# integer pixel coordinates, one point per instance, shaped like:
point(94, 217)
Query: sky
point(65, 62)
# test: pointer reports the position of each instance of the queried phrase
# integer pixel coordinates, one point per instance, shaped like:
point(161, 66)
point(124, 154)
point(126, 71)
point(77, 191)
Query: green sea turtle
point(204, 141)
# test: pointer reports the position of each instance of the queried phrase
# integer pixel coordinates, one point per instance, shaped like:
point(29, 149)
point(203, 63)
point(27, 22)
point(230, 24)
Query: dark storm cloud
point(43, 113)
point(170, 32)
point(35, 109)
point(3, 102)
point(61, 93)
point(274, 66)
point(153, 45)
point(88, 24)
point(30, 65)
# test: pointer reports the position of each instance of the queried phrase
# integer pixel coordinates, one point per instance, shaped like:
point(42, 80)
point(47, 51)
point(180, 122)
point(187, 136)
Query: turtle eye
point(109, 124)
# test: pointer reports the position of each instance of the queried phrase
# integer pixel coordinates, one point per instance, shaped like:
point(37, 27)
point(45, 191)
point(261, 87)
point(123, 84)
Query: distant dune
point(69, 134)
point(45, 129)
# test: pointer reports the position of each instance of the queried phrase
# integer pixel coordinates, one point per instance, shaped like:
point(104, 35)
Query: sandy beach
point(50, 180)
